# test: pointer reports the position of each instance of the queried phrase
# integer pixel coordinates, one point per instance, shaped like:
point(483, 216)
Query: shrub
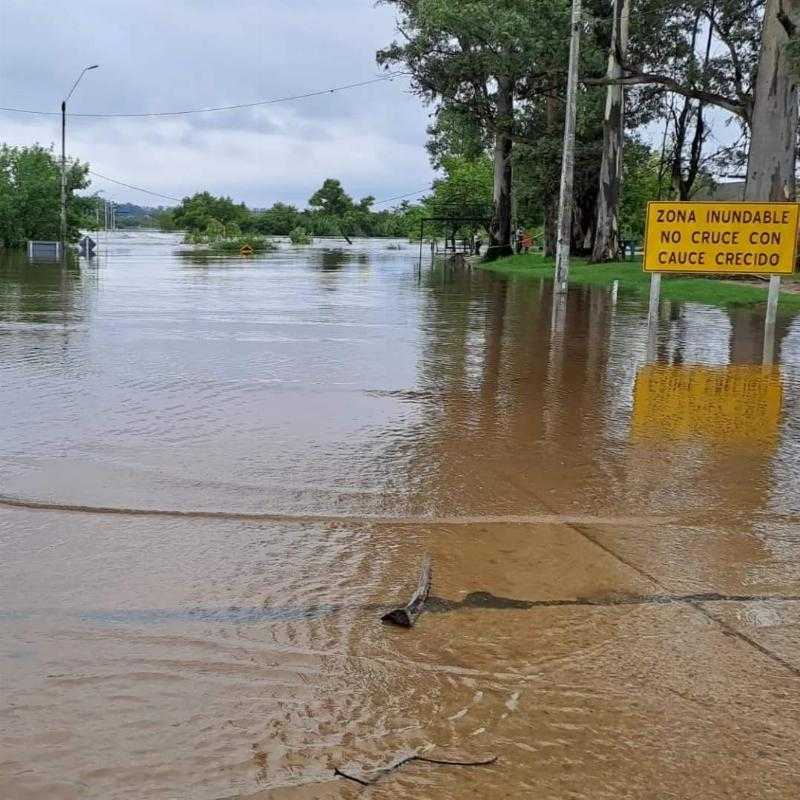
point(299, 235)
point(259, 244)
point(214, 230)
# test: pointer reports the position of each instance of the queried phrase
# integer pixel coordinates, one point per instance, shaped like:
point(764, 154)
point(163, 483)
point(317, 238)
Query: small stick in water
point(379, 773)
point(407, 616)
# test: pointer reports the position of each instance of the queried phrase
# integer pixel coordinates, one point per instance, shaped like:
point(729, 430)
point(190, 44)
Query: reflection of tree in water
point(509, 424)
point(40, 291)
point(496, 408)
point(203, 258)
point(741, 343)
point(506, 418)
point(334, 260)
point(747, 335)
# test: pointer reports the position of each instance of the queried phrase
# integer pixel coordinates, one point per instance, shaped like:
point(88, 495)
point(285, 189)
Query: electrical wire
point(131, 186)
point(401, 196)
point(318, 93)
point(178, 199)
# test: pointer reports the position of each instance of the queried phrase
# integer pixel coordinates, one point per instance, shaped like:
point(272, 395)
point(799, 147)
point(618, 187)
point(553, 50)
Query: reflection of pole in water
point(769, 322)
point(421, 234)
point(558, 319)
point(652, 315)
point(769, 345)
point(551, 405)
point(597, 297)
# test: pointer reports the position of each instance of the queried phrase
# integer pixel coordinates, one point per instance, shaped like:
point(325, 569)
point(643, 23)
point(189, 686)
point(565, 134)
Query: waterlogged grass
point(632, 280)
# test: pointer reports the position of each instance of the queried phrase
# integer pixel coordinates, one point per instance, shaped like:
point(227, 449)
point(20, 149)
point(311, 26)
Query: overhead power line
point(131, 186)
point(178, 199)
point(401, 196)
point(272, 101)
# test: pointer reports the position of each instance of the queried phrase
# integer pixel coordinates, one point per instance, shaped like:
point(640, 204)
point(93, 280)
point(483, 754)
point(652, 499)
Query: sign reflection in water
point(720, 404)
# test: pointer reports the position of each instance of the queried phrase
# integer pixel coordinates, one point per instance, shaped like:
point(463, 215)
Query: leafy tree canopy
point(196, 212)
point(30, 181)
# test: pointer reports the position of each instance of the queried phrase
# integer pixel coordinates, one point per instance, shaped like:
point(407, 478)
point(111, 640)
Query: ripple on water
point(216, 474)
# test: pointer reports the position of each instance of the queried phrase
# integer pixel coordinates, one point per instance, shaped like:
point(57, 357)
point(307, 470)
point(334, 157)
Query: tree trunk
point(606, 241)
point(771, 161)
point(679, 143)
point(500, 228)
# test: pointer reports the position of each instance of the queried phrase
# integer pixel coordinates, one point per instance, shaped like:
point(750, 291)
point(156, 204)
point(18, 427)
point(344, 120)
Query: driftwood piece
point(407, 616)
point(379, 773)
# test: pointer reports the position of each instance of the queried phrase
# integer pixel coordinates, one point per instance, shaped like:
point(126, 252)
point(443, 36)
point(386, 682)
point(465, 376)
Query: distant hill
point(130, 215)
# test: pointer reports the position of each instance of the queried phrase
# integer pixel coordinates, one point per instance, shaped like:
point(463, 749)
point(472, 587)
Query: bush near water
point(299, 235)
point(222, 238)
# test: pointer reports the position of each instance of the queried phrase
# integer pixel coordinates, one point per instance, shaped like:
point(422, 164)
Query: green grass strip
point(633, 280)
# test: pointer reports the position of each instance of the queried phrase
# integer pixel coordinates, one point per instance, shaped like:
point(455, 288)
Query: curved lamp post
point(64, 158)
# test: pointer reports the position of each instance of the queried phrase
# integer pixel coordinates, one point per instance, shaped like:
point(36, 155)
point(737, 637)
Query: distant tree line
point(331, 212)
point(30, 205)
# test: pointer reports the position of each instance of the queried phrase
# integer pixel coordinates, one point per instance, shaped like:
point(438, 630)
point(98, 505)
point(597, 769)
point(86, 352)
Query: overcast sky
point(164, 55)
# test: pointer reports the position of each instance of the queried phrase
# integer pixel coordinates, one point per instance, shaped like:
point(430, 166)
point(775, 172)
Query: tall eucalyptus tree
point(481, 57)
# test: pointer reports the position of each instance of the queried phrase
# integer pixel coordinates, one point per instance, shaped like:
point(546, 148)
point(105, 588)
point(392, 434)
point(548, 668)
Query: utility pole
point(64, 159)
point(568, 158)
point(63, 177)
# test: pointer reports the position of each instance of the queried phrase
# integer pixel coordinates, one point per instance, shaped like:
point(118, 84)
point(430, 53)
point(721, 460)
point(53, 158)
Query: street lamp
point(64, 158)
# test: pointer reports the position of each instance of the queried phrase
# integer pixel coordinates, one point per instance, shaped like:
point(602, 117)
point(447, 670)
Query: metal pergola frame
point(455, 221)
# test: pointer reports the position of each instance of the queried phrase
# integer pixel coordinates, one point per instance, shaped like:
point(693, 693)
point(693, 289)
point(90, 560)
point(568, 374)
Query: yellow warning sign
point(720, 404)
point(727, 238)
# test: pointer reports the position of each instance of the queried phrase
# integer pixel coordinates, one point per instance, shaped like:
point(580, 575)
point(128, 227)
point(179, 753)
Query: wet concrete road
point(215, 475)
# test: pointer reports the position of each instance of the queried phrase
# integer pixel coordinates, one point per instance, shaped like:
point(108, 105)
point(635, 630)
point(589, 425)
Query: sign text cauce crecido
point(729, 238)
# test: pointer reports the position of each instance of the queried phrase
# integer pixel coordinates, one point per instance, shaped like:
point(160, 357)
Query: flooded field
point(215, 476)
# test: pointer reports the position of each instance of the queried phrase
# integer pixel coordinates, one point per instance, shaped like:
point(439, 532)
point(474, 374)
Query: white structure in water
point(44, 251)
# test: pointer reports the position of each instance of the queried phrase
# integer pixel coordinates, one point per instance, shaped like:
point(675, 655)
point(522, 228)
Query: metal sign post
point(652, 315)
point(722, 239)
point(655, 296)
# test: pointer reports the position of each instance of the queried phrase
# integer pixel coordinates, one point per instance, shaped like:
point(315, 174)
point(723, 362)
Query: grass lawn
point(633, 280)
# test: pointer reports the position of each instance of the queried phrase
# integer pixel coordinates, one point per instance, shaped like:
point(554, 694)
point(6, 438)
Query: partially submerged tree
point(278, 220)
point(479, 57)
point(29, 195)
point(196, 212)
point(335, 206)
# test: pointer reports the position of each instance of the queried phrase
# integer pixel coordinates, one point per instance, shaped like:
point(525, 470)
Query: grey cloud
point(158, 55)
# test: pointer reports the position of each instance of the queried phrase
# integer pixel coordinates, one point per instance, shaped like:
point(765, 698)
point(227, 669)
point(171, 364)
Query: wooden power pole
point(568, 157)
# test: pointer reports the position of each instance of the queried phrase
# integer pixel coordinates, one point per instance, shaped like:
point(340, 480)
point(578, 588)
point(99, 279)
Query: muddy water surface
point(216, 474)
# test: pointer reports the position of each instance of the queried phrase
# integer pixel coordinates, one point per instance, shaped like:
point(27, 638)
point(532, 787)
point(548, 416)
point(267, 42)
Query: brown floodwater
point(217, 474)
